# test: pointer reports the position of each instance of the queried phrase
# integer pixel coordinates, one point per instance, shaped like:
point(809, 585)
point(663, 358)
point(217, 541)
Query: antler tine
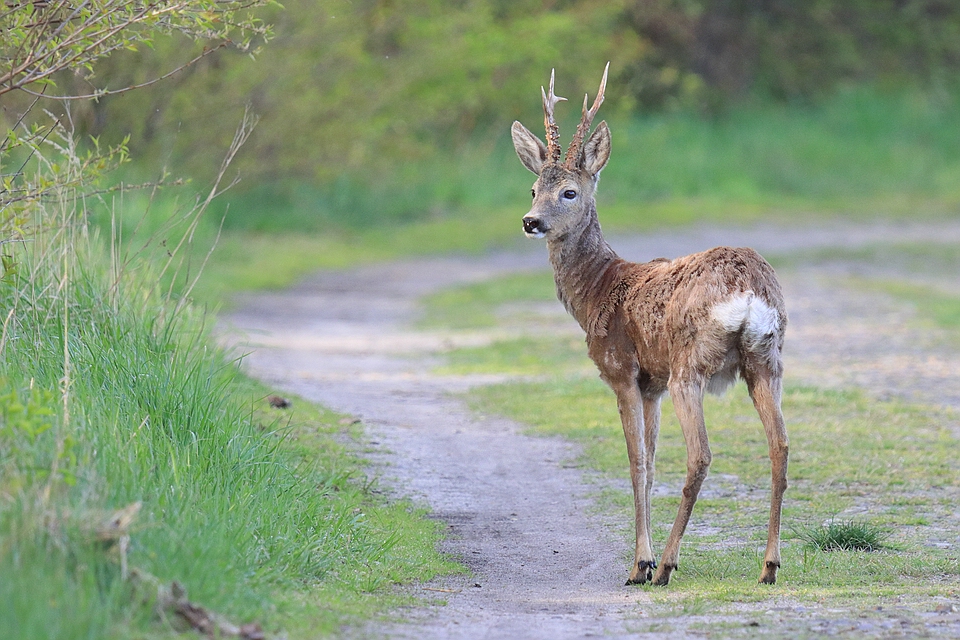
point(586, 119)
point(553, 131)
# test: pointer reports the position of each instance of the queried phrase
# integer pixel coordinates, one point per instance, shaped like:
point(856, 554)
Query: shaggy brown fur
point(686, 326)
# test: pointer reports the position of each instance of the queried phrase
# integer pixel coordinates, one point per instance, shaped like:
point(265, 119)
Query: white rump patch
point(748, 313)
point(732, 313)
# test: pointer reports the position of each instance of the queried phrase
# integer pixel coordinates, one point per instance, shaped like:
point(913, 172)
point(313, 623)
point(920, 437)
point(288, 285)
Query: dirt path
point(518, 514)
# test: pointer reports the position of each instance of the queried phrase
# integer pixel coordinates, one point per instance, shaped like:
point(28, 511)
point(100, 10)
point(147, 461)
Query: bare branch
point(16, 125)
point(113, 92)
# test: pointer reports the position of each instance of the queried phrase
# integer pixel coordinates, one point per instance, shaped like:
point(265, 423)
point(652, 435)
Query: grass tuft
point(851, 535)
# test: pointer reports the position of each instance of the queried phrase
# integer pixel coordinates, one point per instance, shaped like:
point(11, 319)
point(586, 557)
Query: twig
point(33, 151)
point(247, 123)
point(3, 335)
point(23, 116)
point(113, 92)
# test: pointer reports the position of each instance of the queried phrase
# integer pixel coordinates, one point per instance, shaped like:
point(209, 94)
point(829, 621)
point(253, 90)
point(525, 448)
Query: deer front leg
point(688, 401)
point(651, 426)
point(631, 416)
point(766, 392)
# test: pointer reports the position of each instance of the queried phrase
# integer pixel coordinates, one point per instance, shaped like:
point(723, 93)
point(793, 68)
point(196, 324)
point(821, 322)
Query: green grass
point(480, 305)
point(521, 356)
point(935, 305)
point(261, 515)
point(916, 273)
point(907, 257)
point(248, 259)
point(849, 152)
point(851, 535)
point(252, 260)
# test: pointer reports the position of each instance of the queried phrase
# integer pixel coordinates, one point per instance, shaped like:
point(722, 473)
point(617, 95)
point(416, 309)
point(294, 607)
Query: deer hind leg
point(688, 401)
point(766, 389)
point(632, 418)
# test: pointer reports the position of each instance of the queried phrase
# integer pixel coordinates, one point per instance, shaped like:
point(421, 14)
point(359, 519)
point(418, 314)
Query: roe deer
point(686, 326)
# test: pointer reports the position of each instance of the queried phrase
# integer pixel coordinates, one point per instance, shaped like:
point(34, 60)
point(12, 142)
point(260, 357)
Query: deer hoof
point(769, 573)
point(643, 573)
point(662, 578)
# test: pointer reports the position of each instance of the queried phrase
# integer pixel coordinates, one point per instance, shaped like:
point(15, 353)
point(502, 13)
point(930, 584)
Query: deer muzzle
point(533, 227)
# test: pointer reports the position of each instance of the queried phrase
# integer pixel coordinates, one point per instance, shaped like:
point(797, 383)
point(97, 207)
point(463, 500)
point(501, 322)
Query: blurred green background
point(383, 124)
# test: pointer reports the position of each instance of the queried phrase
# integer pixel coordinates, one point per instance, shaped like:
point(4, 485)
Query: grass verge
point(112, 395)
point(923, 275)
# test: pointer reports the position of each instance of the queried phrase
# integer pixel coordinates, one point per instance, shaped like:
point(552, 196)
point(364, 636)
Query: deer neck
point(583, 264)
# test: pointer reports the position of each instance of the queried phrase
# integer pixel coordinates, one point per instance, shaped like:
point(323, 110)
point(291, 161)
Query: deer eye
point(569, 194)
point(533, 193)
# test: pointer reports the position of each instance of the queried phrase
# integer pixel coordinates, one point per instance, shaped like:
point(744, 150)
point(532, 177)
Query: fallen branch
point(170, 601)
point(173, 606)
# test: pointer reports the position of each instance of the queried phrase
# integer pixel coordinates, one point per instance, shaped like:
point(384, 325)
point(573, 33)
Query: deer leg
point(631, 416)
point(688, 401)
point(651, 425)
point(766, 391)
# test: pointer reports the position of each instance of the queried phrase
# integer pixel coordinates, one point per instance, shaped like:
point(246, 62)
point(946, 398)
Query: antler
point(573, 151)
point(553, 131)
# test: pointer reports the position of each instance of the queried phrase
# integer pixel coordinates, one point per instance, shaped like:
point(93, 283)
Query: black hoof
point(644, 572)
point(664, 578)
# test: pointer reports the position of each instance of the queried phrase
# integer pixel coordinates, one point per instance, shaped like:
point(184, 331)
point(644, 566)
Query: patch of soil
point(516, 508)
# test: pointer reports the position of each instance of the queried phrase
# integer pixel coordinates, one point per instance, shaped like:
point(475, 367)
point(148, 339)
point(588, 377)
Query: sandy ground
point(517, 510)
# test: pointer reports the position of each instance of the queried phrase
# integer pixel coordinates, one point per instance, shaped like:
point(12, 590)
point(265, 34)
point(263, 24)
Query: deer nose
point(531, 225)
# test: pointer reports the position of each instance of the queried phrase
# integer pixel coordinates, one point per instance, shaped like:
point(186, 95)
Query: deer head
point(563, 195)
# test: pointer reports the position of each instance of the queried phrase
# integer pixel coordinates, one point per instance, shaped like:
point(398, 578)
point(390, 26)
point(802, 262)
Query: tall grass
point(112, 393)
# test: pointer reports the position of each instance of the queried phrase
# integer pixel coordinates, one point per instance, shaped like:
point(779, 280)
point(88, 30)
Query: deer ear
point(530, 148)
point(597, 150)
